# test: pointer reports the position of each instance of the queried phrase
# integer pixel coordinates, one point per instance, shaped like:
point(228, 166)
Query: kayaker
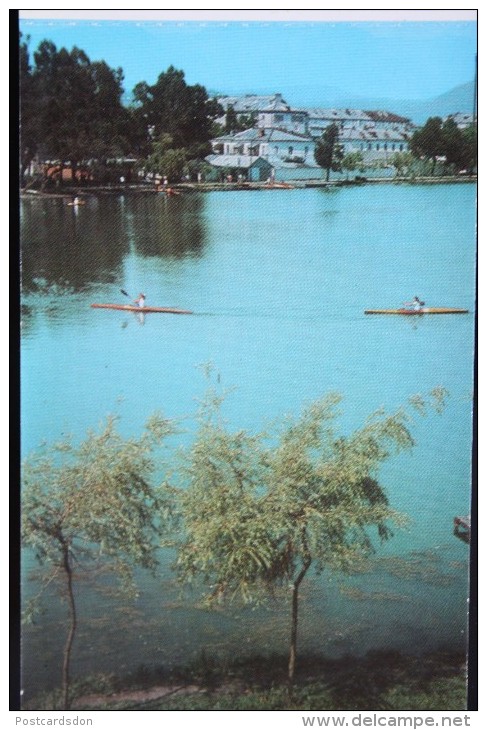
point(140, 300)
point(416, 304)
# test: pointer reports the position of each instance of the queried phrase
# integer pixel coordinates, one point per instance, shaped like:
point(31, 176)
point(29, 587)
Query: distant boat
point(423, 310)
point(143, 310)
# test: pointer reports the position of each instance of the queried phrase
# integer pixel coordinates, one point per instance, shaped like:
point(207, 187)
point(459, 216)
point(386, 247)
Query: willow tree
point(258, 516)
point(93, 506)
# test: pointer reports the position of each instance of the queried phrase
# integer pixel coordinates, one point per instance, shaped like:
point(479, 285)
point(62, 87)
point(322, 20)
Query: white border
point(341, 15)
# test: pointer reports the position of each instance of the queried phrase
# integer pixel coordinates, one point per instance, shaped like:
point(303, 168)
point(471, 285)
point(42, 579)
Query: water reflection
point(167, 226)
point(66, 249)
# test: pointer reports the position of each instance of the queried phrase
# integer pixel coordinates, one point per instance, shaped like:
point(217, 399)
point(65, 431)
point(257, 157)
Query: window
point(400, 147)
point(378, 146)
point(290, 150)
point(306, 151)
point(276, 149)
point(279, 118)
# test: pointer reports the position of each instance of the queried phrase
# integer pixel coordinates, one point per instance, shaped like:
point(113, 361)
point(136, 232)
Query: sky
point(300, 59)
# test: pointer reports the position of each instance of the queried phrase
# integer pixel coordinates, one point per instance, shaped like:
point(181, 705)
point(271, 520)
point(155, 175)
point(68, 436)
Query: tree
point(231, 120)
point(428, 141)
point(78, 113)
point(402, 162)
point(328, 152)
point(470, 148)
point(29, 127)
point(94, 505)
point(166, 161)
point(257, 516)
point(353, 161)
point(171, 106)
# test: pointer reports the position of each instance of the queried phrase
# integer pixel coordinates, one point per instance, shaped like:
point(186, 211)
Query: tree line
point(439, 144)
point(249, 515)
point(71, 111)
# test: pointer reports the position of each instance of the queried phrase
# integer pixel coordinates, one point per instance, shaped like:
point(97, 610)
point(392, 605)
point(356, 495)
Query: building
point(268, 111)
point(278, 143)
point(375, 145)
point(286, 137)
point(254, 169)
point(461, 119)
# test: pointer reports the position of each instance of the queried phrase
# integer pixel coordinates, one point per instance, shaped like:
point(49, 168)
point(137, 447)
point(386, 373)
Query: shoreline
point(435, 680)
point(141, 189)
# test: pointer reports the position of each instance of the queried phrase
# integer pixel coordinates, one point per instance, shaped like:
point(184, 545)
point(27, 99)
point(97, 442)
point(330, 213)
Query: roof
point(247, 135)
point(374, 135)
point(242, 161)
point(384, 116)
point(254, 103)
point(271, 134)
point(461, 118)
point(280, 135)
point(336, 114)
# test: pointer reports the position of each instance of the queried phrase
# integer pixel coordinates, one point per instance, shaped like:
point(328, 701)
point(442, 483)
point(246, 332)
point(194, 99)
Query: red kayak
point(144, 310)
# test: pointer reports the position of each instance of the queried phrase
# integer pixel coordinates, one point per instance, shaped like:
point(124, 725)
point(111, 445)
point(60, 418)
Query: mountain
point(458, 99)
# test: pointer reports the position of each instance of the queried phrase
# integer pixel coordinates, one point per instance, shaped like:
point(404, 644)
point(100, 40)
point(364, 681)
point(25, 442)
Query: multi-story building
point(287, 137)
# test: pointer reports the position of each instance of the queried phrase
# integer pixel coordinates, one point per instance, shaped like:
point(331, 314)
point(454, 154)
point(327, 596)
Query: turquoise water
point(278, 281)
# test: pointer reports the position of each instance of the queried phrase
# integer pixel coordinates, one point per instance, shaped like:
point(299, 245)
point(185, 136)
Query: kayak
point(424, 310)
point(144, 310)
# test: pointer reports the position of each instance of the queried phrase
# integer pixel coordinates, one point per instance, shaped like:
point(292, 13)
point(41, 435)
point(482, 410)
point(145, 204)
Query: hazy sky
point(396, 60)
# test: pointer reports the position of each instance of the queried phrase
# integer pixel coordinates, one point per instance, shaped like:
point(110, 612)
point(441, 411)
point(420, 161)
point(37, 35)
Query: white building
point(461, 119)
point(287, 137)
point(276, 143)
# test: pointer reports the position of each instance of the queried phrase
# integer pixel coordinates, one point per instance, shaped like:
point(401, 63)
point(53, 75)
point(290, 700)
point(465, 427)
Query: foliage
point(237, 123)
point(444, 139)
point(74, 105)
point(166, 161)
point(231, 120)
point(259, 515)
point(93, 505)
point(29, 126)
point(427, 141)
point(402, 162)
point(173, 107)
point(328, 152)
point(353, 161)
point(380, 680)
point(72, 111)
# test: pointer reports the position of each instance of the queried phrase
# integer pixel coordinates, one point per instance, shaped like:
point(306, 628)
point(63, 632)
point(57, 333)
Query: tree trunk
point(294, 622)
point(327, 174)
point(72, 629)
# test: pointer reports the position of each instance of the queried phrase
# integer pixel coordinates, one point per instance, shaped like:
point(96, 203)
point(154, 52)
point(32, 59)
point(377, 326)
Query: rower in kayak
point(140, 300)
point(416, 304)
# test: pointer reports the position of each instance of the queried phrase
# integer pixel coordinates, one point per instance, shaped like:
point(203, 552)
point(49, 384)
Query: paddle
point(134, 301)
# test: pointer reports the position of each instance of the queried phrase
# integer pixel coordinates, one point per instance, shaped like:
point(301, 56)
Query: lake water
point(278, 282)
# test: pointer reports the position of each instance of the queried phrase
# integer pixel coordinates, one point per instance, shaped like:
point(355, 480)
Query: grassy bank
point(382, 680)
